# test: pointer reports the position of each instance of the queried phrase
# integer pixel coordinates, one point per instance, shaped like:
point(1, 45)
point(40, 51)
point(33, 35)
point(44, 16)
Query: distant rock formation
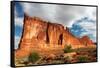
point(86, 41)
point(41, 35)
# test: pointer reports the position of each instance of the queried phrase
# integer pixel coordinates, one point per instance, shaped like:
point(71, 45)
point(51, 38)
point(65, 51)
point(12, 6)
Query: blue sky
point(81, 20)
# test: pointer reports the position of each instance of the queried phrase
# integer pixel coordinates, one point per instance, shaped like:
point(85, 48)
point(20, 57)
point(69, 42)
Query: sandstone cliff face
point(41, 34)
point(86, 41)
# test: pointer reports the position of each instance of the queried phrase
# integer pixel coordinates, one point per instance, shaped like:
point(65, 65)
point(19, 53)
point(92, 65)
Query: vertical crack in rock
point(47, 36)
point(60, 39)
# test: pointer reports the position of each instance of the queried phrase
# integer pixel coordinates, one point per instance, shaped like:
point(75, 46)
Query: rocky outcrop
point(86, 41)
point(41, 35)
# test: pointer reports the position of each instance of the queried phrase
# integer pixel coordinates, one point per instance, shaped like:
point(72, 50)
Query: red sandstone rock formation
point(41, 34)
point(86, 41)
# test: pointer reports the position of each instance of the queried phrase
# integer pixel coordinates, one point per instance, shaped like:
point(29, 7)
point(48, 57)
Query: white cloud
point(63, 14)
point(19, 21)
point(90, 29)
point(91, 12)
point(89, 25)
point(17, 40)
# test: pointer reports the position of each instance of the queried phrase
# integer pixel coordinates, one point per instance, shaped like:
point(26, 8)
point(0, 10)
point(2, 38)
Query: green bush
point(82, 59)
point(68, 49)
point(33, 57)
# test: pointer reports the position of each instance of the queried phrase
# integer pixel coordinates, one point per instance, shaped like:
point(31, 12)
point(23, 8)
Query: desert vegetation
point(69, 55)
point(33, 57)
point(68, 49)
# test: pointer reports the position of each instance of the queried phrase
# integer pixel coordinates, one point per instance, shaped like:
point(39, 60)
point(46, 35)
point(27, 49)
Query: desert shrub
point(68, 49)
point(82, 59)
point(67, 59)
point(33, 57)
